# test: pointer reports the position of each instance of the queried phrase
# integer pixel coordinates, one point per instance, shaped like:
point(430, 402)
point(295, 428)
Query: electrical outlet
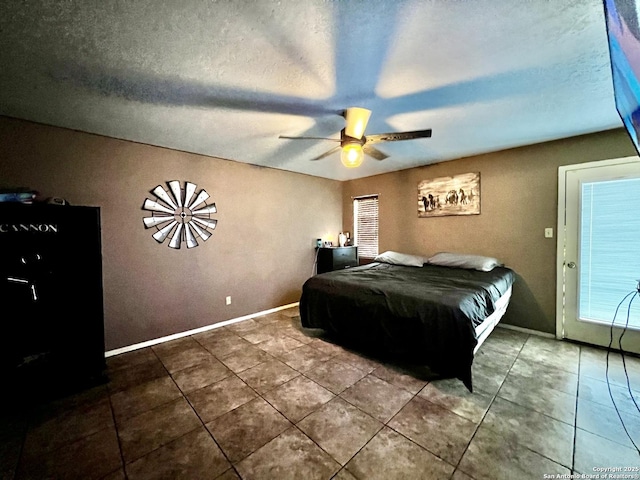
point(548, 233)
point(228, 300)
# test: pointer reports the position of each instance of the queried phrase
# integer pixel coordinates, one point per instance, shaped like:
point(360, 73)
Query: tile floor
point(265, 399)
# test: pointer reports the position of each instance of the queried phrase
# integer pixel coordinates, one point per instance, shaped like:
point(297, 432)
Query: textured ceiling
point(226, 78)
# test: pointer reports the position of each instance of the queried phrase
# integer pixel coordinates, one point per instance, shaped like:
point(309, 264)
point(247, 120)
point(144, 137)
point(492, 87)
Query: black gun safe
point(51, 306)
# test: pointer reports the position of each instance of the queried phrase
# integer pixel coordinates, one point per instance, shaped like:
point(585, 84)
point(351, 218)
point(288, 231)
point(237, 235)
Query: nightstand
point(336, 258)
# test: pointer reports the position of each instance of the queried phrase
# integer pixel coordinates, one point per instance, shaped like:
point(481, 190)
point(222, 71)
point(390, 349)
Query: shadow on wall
point(525, 311)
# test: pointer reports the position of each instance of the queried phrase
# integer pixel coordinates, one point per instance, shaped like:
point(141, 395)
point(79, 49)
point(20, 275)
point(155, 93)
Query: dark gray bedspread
point(428, 313)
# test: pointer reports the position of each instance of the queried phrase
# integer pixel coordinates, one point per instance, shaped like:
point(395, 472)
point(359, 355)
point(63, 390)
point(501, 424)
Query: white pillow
point(462, 260)
point(395, 258)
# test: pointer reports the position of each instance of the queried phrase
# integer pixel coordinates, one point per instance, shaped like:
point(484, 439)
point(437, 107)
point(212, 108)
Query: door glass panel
point(609, 250)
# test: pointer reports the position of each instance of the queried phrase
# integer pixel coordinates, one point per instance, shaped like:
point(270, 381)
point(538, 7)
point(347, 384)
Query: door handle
point(571, 264)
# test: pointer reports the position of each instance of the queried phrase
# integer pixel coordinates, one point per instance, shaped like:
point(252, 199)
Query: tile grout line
point(22, 445)
point(490, 404)
point(261, 396)
point(202, 423)
point(562, 421)
point(335, 395)
point(115, 426)
point(303, 375)
point(124, 463)
point(295, 424)
point(544, 414)
point(575, 416)
point(386, 424)
point(109, 393)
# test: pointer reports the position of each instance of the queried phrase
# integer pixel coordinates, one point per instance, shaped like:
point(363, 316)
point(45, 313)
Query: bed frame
point(485, 328)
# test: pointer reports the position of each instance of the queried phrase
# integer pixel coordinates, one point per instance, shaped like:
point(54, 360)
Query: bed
point(435, 314)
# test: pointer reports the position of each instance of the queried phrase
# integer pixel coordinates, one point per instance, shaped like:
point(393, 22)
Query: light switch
point(548, 233)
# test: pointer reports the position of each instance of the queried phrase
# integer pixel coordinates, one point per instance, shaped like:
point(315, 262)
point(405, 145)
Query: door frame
point(562, 233)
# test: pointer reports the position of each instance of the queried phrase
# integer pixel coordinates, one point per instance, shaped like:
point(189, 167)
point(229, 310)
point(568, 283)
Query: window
point(365, 225)
point(609, 258)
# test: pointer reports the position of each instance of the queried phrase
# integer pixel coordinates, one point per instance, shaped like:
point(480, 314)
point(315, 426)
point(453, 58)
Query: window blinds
point(609, 258)
point(365, 216)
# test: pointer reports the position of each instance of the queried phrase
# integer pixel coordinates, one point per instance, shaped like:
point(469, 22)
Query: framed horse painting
point(456, 195)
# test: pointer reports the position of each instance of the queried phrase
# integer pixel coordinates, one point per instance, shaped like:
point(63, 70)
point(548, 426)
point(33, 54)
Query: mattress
point(434, 315)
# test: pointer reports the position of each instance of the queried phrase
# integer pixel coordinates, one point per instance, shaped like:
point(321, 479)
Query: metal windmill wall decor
point(180, 215)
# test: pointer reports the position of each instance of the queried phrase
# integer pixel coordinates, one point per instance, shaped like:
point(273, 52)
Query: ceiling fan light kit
point(353, 143)
point(352, 155)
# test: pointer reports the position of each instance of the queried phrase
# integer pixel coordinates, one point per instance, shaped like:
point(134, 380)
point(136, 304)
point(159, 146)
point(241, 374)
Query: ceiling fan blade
point(326, 154)
point(374, 152)
point(357, 119)
point(177, 91)
point(309, 138)
point(394, 137)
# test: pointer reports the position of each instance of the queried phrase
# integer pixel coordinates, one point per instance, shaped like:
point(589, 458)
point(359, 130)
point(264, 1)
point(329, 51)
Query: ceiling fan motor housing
point(347, 140)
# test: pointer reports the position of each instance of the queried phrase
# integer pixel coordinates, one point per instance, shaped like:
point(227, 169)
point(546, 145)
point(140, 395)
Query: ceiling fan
point(354, 144)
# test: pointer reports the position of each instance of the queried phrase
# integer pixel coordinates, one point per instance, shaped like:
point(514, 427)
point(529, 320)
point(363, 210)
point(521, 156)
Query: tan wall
point(519, 190)
point(260, 253)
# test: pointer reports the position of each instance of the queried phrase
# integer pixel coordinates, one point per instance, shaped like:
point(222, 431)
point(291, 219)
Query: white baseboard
point(526, 330)
point(168, 338)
